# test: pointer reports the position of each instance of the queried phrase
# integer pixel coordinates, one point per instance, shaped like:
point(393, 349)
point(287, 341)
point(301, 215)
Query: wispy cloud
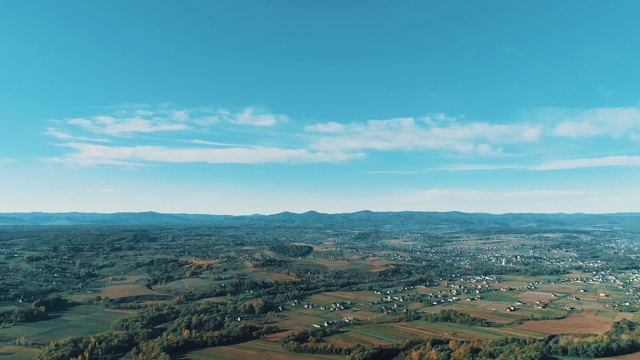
point(613, 122)
point(568, 164)
point(251, 117)
point(397, 172)
point(58, 134)
point(330, 127)
point(127, 121)
point(483, 167)
point(122, 126)
point(64, 136)
point(214, 143)
point(91, 154)
point(109, 125)
point(411, 133)
point(590, 162)
point(143, 134)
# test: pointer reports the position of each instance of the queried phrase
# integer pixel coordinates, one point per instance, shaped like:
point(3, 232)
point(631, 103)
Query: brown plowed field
point(574, 324)
point(119, 291)
point(205, 262)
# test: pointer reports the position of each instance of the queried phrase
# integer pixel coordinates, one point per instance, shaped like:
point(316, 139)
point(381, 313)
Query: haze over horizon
point(263, 107)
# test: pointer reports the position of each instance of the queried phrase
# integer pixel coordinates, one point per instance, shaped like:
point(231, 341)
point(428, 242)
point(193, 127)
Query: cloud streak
point(569, 164)
point(590, 163)
point(91, 154)
point(411, 133)
point(613, 122)
point(250, 117)
point(113, 126)
point(128, 121)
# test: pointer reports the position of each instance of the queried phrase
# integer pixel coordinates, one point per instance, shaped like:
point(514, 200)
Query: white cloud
point(608, 161)
point(333, 141)
point(397, 172)
point(488, 150)
point(250, 117)
point(590, 162)
point(330, 127)
point(91, 154)
point(109, 125)
point(64, 136)
point(213, 143)
point(58, 134)
point(407, 134)
point(482, 167)
point(180, 115)
point(613, 122)
point(130, 120)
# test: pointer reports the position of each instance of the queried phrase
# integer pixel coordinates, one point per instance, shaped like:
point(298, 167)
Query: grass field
point(257, 349)
point(79, 320)
point(607, 314)
point(634, 356)
point(348, 338)
point(358, 297)
point(299, 320)
point(18, 353)
point(263, 275)
point(383, 332)
point(121, 288)
point(335, 265)
point(13, 305)
point(427, 329)
point(184, 284)
point(510, 331)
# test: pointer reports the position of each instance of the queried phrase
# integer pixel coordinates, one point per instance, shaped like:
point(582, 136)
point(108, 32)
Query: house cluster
point(328, 323)
point(338, 306)
point(390, 298)
point(342, 305)
point(394, 309)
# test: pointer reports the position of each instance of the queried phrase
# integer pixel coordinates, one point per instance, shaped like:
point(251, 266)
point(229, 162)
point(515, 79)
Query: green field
point(79, 320)
point(17, 352)
point(607, 314)
point(257, 349)
point(381, 332)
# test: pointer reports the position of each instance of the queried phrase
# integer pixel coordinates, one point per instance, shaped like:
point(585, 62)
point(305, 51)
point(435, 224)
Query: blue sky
point(336, 106)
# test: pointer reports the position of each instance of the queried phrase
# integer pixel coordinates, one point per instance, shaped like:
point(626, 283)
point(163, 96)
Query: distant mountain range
point(408, 220)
